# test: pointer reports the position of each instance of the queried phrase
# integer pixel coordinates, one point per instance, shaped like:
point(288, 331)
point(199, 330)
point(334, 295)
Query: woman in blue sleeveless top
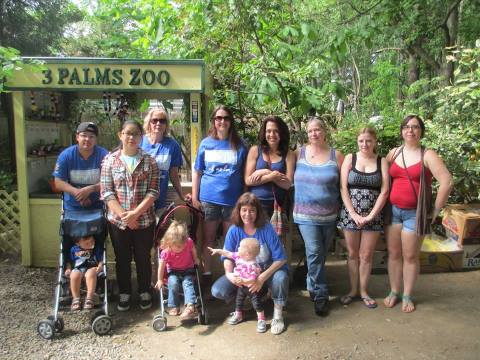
point(317, 203)
point(270, 165)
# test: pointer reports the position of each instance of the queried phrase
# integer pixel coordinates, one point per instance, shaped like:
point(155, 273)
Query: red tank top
point(401, 194)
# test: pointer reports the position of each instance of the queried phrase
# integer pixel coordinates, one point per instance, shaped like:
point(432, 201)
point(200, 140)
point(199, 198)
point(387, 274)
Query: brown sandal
point(75, 305)
point(89, 304)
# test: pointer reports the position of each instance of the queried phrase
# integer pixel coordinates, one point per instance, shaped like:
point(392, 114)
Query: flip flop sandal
point(89, 304)
point(76, 305)
point(407, 299)
point(392, 295)
point(347, 299)
point(367, 301)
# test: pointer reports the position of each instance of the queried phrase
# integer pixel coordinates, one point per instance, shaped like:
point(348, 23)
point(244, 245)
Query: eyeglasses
point(224, 118)
point(411, 127)
point(156, 120)
point(130, 134)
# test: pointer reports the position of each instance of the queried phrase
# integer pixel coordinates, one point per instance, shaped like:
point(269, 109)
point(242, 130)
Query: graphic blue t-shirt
point(80, 172)
point(271, 248)
point(222, 171)
point(88, 258)
point(167, 154)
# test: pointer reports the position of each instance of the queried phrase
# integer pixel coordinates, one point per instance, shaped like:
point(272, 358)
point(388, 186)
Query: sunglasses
point(224, 118)
point(156, 120)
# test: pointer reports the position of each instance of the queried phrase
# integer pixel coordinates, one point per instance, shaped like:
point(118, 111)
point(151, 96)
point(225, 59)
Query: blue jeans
point(317, 239)
point(223, 289)
point(187, 282)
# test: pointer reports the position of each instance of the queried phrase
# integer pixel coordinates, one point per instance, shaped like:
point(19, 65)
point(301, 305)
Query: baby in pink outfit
point(247, 270)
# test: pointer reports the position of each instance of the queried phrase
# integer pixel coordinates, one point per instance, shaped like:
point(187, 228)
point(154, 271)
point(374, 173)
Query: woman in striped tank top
point(317, 203)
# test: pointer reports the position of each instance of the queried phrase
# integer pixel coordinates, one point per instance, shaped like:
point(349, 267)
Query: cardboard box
point(462, 222)
point(440, 255)
point(471, 257)
point(380, 262)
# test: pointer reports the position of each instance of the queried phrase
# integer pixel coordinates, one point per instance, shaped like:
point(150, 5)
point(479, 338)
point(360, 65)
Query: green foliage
point(386, 127)
point(36, 27)
point(10, 61)
point(453, 129)
point(7, 181)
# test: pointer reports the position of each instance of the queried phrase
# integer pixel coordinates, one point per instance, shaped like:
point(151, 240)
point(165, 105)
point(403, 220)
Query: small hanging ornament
point(33, 104)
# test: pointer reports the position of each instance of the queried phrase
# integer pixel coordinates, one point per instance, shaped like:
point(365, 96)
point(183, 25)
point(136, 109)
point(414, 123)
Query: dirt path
point(445, 326)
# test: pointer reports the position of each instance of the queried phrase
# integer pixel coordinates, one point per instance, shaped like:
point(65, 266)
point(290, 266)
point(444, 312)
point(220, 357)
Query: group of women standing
point(330, 190)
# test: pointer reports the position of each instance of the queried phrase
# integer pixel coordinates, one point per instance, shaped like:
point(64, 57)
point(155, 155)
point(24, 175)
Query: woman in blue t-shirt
point(217, 179)
point(249, 221)
point(166, 152)
point(270, 164)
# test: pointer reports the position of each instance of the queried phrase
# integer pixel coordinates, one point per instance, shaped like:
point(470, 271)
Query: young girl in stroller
point(179, 257)
point(86, 257)
point(246, 270)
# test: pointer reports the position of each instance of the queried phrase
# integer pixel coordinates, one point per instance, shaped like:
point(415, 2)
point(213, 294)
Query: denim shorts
point(406, 217)
point(215, 212)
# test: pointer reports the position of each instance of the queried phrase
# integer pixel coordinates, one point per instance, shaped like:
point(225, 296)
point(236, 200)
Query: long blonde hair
point(370, 131)
point(176, 234)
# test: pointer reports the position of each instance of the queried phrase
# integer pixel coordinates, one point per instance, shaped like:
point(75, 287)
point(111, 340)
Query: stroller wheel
point(159, 323)
point(202, 316)
point(101, 325)
point(58, 324)
point(46, 329)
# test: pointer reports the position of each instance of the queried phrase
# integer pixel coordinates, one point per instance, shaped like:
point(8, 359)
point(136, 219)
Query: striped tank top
point(317, 191)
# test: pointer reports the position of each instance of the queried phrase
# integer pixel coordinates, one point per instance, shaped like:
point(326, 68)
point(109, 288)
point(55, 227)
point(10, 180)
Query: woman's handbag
point(424, 200)
point(279, 219)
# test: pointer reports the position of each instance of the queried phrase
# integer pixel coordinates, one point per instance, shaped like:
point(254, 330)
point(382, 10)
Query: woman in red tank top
point(402, 241)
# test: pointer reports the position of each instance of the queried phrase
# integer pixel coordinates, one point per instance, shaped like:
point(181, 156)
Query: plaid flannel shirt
point(129, 189)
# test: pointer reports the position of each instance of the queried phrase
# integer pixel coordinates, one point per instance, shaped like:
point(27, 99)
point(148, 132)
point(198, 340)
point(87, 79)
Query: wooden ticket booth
point(46, 102)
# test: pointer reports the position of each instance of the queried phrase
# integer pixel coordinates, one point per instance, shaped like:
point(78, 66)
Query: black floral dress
point(364, 189)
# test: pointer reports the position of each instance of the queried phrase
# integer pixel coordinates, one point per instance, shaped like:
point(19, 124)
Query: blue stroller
point(77, 224)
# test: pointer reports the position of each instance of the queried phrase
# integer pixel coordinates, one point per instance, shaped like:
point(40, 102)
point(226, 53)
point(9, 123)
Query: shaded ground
point(445, 326)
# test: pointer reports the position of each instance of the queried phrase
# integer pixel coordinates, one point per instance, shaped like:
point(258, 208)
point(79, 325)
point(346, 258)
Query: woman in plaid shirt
point(129, 186)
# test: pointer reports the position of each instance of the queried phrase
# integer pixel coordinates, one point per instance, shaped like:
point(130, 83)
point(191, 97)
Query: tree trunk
point(451, 33)
point(413, 68)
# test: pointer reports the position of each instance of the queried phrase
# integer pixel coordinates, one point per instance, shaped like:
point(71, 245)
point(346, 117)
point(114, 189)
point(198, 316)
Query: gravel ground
point(445, 325)
point(26, 296)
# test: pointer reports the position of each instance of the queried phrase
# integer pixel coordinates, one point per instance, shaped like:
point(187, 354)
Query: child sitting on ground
point(86, 259)
point(246, 271)
point(179, 257)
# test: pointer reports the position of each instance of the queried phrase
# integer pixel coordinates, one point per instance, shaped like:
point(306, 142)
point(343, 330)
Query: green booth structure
point(43, 97)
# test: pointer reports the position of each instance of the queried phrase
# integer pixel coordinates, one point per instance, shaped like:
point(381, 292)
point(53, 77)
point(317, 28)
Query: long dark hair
point(233, 137)
point(283, 132)
point(248, 199)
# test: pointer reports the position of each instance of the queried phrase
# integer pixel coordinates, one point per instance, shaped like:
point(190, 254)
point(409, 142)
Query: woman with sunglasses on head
point(129, 186)
point(217, 179)
point(270, 164)
point(165, 150)
point(406, 232)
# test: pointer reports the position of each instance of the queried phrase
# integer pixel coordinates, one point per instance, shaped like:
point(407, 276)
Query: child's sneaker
point(188, 313)
point(261, 326)
point(145, 300)
point(235, 318)
point(124, 302)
